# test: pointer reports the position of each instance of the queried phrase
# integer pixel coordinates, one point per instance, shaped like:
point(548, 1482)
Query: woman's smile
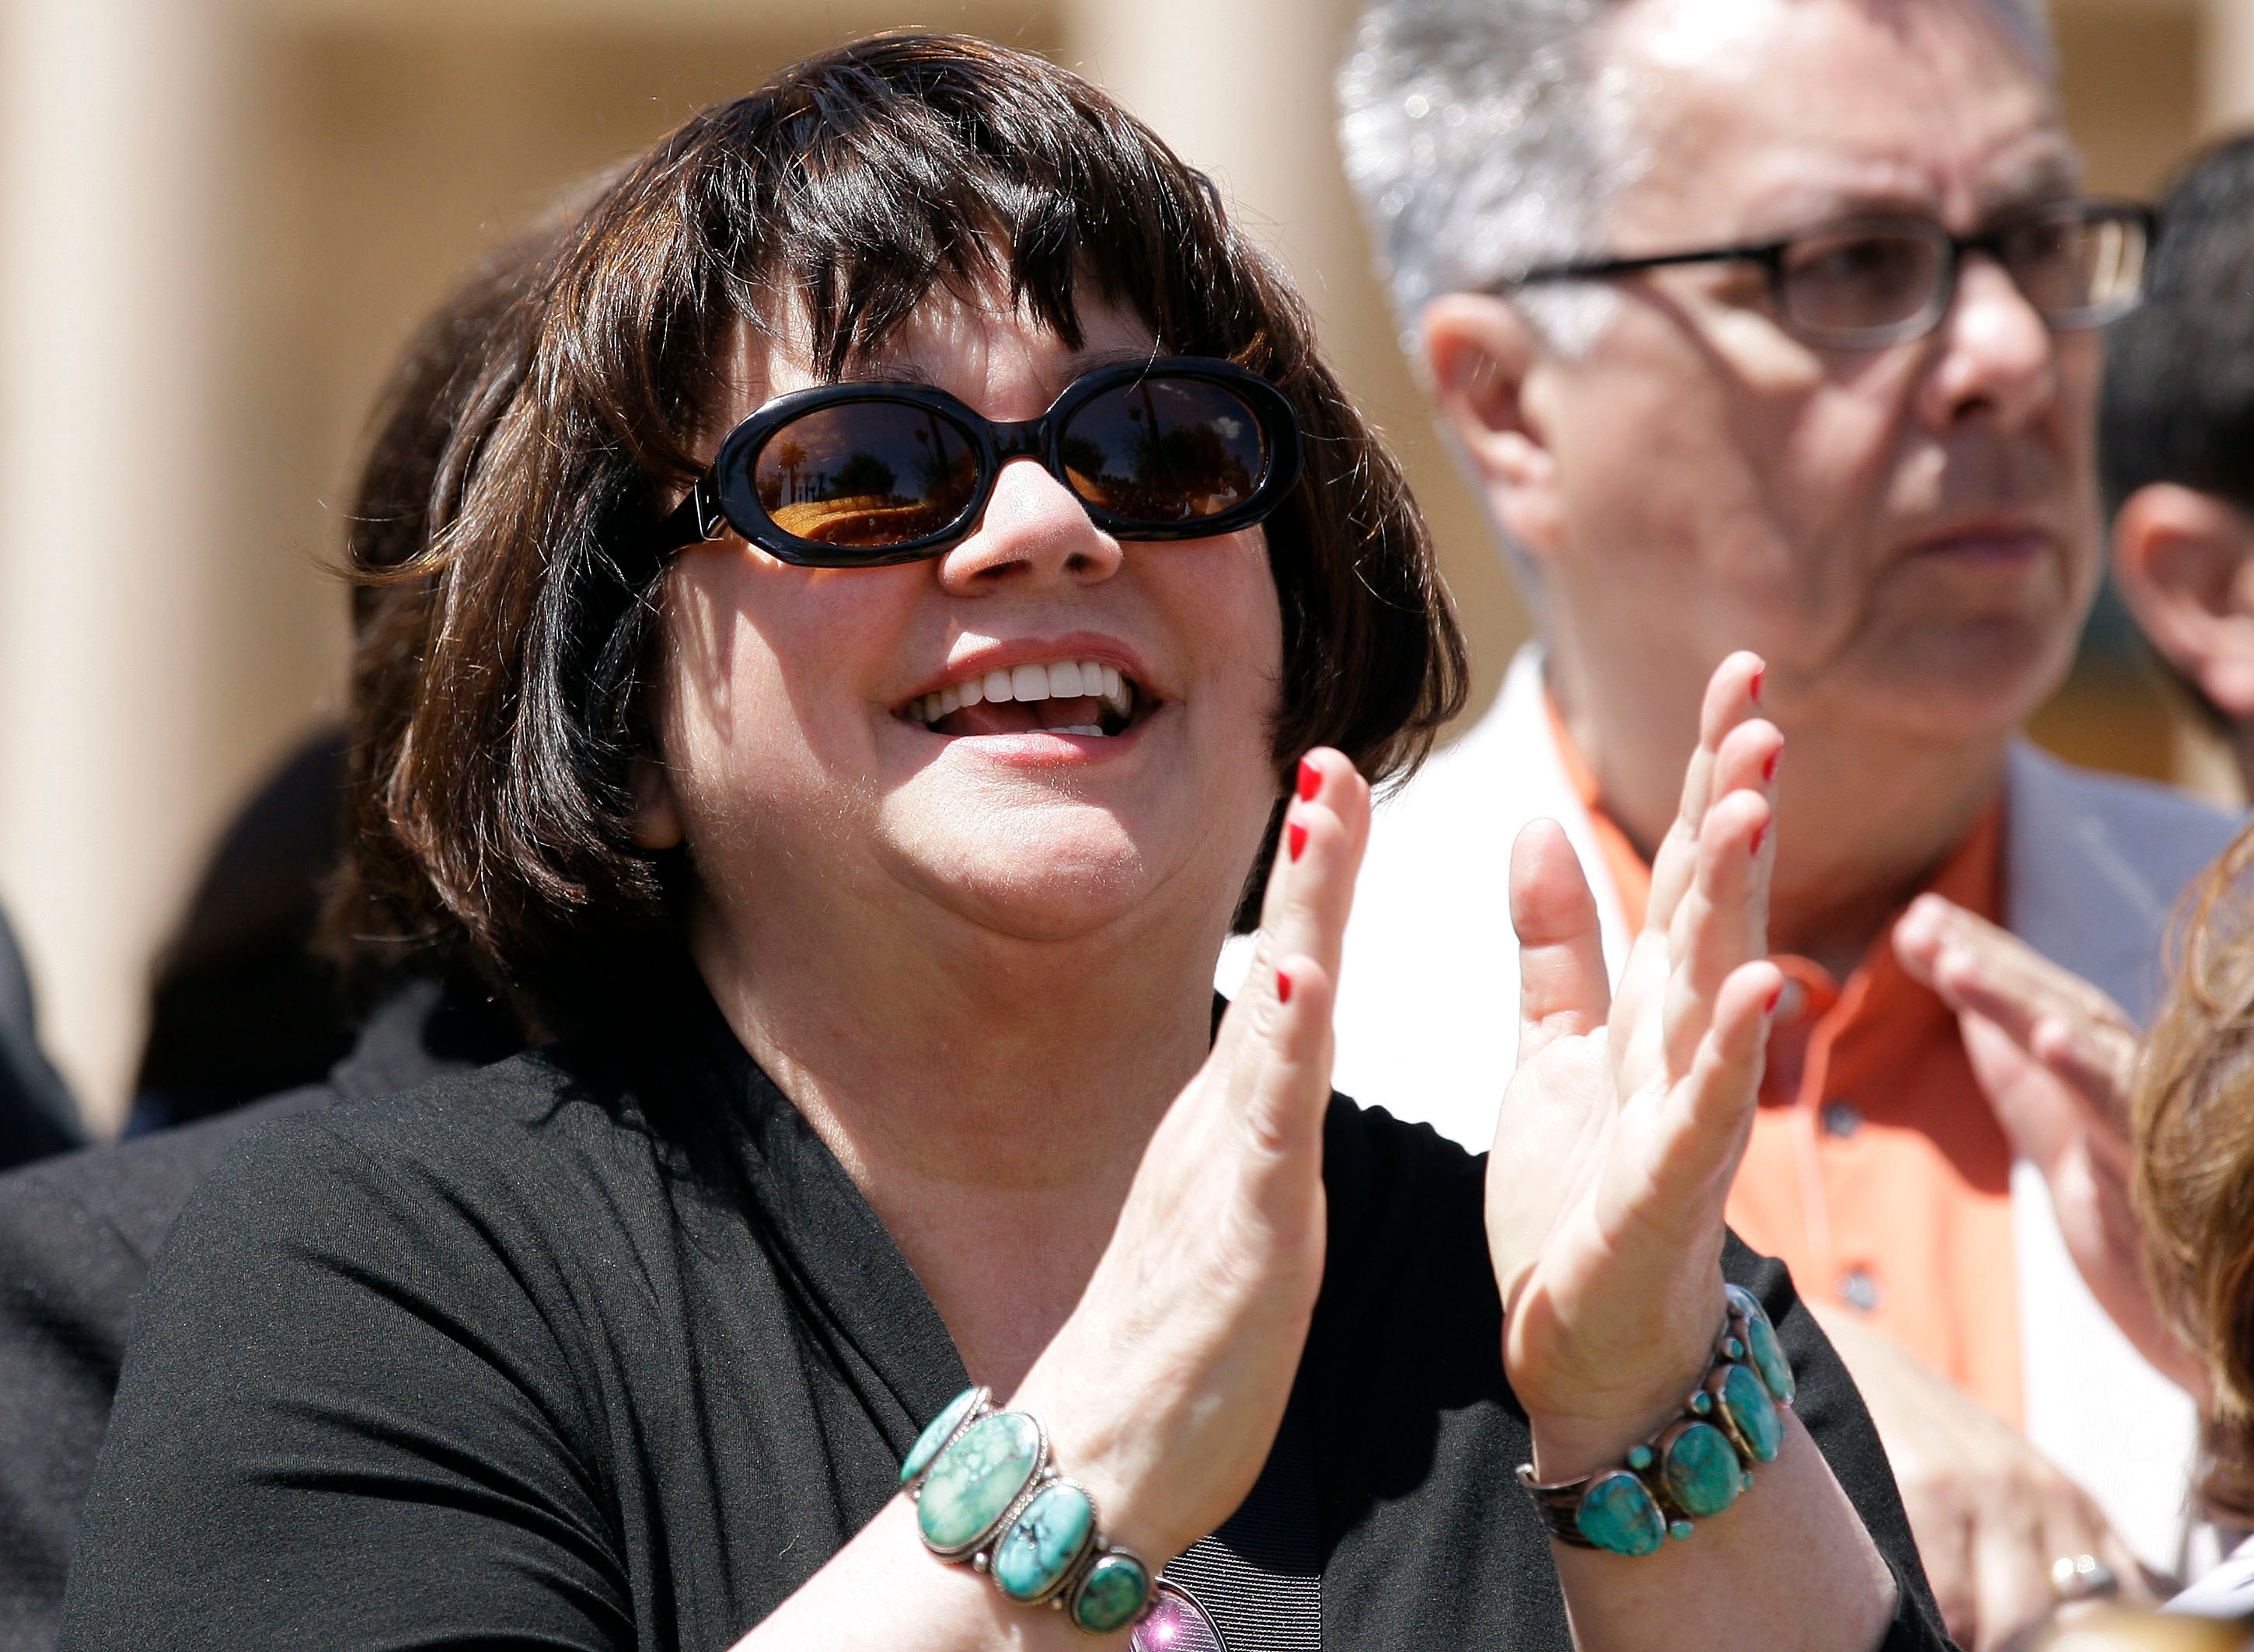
point(1077, 699)
point(1063, 697)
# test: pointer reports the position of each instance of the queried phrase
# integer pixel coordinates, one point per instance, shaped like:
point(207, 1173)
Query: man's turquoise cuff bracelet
point(1696, 1467)
point(987, 1495)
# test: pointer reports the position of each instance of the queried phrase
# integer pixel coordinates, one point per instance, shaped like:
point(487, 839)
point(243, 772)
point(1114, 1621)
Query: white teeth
point(1064, 680)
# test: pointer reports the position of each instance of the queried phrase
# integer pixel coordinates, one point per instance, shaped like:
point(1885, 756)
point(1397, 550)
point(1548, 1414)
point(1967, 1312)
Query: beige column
point(1243, 89)
point(2226, 50)
point(110, 190)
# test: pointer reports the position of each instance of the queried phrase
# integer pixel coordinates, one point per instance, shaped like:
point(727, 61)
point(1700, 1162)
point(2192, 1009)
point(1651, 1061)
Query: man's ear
point(1479, 353)
point(656, 817)
point(2184, 562)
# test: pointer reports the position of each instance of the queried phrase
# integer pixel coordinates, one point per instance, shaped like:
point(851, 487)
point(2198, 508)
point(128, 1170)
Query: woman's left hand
point(1622, 1127)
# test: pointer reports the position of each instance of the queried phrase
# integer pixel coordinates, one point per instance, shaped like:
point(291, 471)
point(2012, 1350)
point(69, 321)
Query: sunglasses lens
point(865, 475)
point(1165, 451)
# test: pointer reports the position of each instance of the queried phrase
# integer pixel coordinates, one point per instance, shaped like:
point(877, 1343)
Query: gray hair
point(1485, 138)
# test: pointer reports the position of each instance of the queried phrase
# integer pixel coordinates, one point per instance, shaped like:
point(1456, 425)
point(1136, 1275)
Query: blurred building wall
point(223, 215)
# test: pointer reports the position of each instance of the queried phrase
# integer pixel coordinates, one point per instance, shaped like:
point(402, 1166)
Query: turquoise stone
point(1752, 1415)
point(1639, 1458)
point(927, 1443)
point(1702, 1403)
point(1044, 1542)
point(977, 1479)
point(1681, 1530)
point(1618, 1513)
point(1701, 1471)
point(1768, 1356)
point(1733, 1349)
point(1111, 1594)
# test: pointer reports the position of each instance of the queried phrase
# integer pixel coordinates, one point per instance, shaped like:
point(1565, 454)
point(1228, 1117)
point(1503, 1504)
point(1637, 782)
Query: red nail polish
point(1761, 836)
point(1295, 838)
point(1283, 987)
point(1311, 780)
point(1754, 686)
point(1769, 769)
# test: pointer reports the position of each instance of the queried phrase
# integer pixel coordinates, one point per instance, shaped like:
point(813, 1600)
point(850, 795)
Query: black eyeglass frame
point(725, 497)
point(1770, 255)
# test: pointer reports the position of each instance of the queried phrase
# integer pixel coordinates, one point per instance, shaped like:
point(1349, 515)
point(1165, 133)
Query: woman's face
point(804, 765)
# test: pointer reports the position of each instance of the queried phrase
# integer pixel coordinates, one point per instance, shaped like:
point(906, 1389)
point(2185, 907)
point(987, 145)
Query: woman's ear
point(1481, 352)
point(2184, 563)
point(657, 819)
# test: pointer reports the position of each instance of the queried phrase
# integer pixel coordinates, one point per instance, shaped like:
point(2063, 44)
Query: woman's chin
point(1041, 902)
point(1036, 885)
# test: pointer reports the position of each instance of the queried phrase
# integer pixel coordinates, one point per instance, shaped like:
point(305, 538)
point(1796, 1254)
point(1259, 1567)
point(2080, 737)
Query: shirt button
point(1841, 1119)
point(1859, 1291)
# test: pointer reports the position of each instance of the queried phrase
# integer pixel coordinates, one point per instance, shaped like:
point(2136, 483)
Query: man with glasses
point(1773, 324)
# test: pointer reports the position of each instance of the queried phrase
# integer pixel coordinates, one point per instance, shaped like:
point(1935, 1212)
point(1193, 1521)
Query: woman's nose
point(1033, 533)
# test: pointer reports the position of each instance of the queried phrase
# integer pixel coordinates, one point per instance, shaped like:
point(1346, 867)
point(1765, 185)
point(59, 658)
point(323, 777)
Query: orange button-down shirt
point(1877, 1170)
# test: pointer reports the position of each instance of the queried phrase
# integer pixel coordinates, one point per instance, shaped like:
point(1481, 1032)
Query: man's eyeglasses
point(863, 475)
point(1870, 282)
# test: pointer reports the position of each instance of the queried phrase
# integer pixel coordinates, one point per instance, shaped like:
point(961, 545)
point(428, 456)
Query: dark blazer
point(37, 1114)
point(77, 1235)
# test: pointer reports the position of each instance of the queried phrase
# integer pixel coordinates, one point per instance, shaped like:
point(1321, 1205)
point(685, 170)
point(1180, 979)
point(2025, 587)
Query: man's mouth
point(2000, 544)
point(1064, 697)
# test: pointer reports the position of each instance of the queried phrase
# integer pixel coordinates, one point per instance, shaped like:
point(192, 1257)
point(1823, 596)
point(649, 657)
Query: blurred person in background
point(78, 1233)
point(242, 1003)
point(38, 1114)
point(753, 741)
point(2193, 1127)
point(2176, 444)
point(2171, 1119)
point(1773, 325)
point(2176, 1107)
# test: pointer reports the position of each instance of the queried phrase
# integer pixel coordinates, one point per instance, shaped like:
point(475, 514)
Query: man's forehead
point(1754, 117)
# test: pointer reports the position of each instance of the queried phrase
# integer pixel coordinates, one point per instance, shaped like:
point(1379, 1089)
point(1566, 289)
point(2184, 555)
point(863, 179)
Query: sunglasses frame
point(725, 497)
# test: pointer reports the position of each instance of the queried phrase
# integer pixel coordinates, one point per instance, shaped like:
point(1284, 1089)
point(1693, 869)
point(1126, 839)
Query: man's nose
point(1995, 359)
point(1033, 534)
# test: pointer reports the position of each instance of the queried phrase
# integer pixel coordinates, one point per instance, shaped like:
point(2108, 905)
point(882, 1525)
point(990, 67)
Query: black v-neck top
point(600, 1348)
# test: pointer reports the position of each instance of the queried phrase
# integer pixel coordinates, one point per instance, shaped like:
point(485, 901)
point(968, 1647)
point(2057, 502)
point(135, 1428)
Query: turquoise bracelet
point(1696, 1467)
point(987, 1495)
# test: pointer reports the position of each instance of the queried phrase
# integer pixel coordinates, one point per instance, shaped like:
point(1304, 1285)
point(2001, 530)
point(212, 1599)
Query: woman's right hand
point(1164, 1390)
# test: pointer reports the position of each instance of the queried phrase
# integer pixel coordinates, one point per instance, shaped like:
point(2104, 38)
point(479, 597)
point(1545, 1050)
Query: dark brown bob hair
point(500, 674)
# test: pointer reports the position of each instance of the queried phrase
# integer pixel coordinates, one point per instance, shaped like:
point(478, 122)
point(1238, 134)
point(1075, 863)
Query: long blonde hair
point(2194, 1164)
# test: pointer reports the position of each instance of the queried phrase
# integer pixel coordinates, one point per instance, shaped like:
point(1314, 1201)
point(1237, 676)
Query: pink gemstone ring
point(1175, 1623)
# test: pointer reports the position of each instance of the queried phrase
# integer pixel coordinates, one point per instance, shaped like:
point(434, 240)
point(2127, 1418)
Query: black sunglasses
point(863, 475)
point(1871, 282)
